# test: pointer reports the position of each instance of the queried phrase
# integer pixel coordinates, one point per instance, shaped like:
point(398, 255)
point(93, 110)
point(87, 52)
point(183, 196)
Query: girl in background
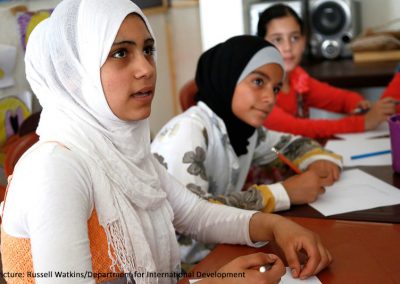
point(280, 25)
point(89, 203)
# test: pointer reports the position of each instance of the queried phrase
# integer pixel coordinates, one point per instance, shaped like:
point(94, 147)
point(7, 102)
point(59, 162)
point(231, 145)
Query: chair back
point(15, 149)
point(187, 94)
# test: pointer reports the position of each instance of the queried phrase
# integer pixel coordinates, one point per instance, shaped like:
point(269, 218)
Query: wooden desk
point(367, 253)
point(345, 73)
point(387, 214)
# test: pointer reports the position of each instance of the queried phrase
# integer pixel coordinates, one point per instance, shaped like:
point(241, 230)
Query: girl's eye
point(149, 50)
point(277, 40)
point(295, 39)
point(121, 53)
point(276, 90)
point(258, 82)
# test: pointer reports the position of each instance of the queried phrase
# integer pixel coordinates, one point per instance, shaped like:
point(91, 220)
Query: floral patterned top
point(194, 147)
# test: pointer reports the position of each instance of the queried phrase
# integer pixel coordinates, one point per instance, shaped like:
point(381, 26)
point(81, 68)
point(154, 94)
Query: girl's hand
point(295, 241)
point(362, 106)
point(380, 112)
point(249, 266)
point(305, 188)
point(326, 170)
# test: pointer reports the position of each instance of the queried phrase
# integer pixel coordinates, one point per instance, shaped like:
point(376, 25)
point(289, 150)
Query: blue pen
point(370, 154)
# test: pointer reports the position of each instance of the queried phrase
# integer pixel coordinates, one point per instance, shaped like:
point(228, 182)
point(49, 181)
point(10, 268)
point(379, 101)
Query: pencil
point(366, 155)
point(360, 110)
point(286, 161)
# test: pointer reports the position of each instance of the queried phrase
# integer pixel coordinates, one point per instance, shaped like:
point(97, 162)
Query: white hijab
point(63, 60)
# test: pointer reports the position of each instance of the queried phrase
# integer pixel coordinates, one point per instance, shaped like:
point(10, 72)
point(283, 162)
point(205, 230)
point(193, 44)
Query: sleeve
point(393, 89)
point(181, 148)
point(300, 150)
point(57, 207)
point(283, 121)
point(324, 96)
point(202, 220)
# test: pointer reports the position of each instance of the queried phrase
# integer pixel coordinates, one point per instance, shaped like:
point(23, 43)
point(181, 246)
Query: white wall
point(379, 12)
point(221, 19)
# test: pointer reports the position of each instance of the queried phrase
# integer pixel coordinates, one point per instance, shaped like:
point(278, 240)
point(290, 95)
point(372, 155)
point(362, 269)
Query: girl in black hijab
point(211, 146)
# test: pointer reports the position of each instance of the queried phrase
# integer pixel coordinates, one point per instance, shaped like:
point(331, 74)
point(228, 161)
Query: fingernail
point(294, 273)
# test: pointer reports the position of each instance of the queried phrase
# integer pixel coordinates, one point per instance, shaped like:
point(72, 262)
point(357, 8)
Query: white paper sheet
point(348, 148)
point(356, 190)
point(381, 130)
point(286, 279)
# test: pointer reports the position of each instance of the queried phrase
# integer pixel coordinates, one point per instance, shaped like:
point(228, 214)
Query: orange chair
point(15, 148)
point(186, 95)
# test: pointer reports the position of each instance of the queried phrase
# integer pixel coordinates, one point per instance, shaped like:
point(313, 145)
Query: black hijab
point(218, 72)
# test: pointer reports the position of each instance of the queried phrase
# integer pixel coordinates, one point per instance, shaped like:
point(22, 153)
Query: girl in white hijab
point(88, 202)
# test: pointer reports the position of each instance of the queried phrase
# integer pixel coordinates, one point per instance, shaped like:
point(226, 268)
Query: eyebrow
point(291, 33)
point(131, 42)
point(280, 84)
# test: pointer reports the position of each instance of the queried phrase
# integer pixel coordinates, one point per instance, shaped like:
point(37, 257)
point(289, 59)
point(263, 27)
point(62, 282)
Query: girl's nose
point(268, 96)
point(143, 67)
point(287, 45)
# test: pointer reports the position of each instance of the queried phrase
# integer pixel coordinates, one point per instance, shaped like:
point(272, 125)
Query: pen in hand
point(265, 268)
point(286, 161)
point(360, 110)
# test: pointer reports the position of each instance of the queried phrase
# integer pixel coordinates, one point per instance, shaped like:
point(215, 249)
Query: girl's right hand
point(249, 265)
point(305, 188)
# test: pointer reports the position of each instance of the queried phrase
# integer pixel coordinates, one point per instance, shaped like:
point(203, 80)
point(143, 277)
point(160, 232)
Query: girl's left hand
point(326, 170)
point(364, 105)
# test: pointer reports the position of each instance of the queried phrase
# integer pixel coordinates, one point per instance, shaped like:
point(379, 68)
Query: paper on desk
point(348, 148)
point(286, 279)
point(381, 130)
point(356, 190)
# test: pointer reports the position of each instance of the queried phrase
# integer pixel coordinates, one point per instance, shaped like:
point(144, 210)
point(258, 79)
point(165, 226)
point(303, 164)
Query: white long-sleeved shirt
point(50, 200)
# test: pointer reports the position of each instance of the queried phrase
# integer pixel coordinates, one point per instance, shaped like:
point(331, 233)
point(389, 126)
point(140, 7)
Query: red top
point(393, 90)
point(290, 113)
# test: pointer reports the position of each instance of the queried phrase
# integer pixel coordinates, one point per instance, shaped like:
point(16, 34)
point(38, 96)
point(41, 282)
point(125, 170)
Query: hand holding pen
point(304, 187)
point(376, 113)
point(252, 266)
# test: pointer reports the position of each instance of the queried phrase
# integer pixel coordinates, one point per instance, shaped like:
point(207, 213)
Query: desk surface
point(345, 73)
point(387, 214)
point(363, 252)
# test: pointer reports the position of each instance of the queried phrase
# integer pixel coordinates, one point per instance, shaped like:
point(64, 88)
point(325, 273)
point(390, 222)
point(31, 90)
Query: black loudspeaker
point(333, 24)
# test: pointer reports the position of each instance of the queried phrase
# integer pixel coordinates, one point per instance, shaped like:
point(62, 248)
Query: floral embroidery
point(250, 199)
point(168, 131)
point(284, 140)
point(225, 140)
point(301, 81)
point(196, 160)
point(205, 135)
point(196, 190)
point(261, 136)
point(299, 147)
point(161, 160)
point(301, 86)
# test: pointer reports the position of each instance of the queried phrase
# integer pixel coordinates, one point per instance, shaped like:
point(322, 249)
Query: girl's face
point(128, 75)
point(254, 96)
point(285, 34)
